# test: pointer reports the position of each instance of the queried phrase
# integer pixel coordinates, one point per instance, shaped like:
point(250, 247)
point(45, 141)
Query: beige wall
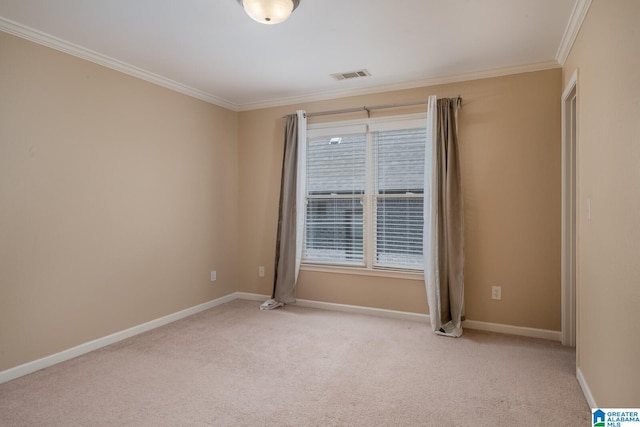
point(117, 197)
point(510, 148)
point(607, 57)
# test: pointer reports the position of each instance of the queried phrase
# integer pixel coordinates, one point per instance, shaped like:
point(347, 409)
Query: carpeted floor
point(235, 365)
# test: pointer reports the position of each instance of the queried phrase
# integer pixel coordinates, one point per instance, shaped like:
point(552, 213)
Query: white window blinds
point(365, 188)
point(398, 197)
point(336, 183)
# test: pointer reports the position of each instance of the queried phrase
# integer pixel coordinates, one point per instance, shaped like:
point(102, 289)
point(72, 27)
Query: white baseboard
point(585, 389)
point(513, 330)
point(471, 324)
point(87, 347)
point(251, 297)
point(357, 309)
point(96, 344)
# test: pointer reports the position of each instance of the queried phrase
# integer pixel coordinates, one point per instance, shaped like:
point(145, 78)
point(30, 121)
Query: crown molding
point(56, 43)
point(44, 39)
point(578, 15)
point(432, 81)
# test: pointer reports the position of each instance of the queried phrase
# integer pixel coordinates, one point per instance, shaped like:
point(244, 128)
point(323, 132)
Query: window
point(365, 193)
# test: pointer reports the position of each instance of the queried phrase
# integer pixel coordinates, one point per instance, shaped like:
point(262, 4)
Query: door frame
point(570, 211)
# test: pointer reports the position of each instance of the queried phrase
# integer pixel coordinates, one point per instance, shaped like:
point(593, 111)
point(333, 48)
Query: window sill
point(361, 271)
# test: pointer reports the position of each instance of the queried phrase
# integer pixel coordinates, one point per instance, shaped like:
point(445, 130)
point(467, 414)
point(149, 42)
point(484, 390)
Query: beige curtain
point(291, 213)
point(444, 221)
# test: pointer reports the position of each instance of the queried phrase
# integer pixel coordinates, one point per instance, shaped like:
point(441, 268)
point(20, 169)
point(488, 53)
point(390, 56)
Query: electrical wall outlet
point(261, 271)
point(213, 276)
point(496, 292)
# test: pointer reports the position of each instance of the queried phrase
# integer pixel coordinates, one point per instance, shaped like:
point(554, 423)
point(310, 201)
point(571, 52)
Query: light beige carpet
point(235, 365)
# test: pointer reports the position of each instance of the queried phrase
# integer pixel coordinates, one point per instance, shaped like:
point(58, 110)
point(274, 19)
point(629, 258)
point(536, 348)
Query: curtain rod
point(370, 108)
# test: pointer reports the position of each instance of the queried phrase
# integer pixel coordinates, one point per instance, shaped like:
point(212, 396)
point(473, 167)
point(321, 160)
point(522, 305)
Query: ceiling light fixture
point(269, 11)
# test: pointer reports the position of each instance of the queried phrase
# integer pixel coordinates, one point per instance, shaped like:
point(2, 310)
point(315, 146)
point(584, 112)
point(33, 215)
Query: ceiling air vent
point(351, 75)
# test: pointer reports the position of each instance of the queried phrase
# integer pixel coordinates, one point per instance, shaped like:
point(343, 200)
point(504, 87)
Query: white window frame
point(365, 125)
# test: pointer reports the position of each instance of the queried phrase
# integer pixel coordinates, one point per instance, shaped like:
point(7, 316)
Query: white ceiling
point(212, 50)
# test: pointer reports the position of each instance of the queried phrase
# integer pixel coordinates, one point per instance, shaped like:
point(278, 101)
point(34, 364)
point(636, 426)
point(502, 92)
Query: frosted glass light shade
point(269, 11)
